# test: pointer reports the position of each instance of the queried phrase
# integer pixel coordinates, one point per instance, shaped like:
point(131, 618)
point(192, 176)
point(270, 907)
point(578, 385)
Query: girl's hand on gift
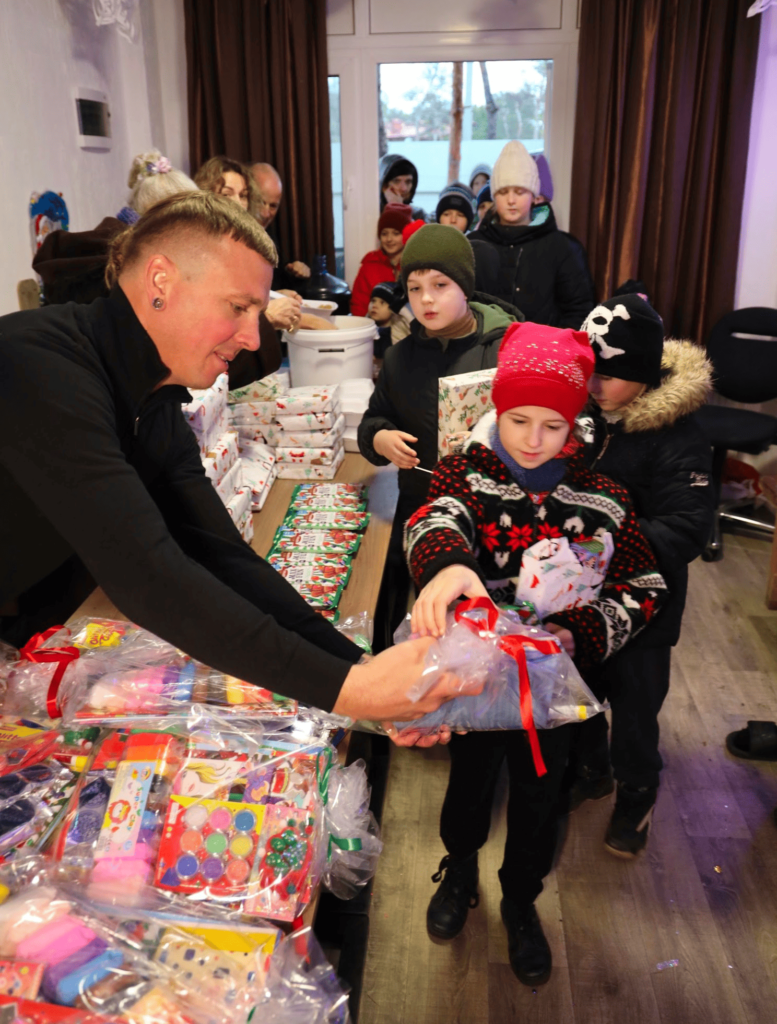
point(563, 636)
point(415, 738)
point(431, 608)
point(391, 445)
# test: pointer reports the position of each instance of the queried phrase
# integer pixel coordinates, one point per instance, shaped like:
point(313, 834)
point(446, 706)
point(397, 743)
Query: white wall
point(47, 49)
point(757, 267)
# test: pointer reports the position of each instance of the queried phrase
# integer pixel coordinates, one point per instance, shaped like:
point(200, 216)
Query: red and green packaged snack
point(332, 614)
point(317, 519)
point(304, 576)
point(309, 558)
point(329, 495)
point(343, 542)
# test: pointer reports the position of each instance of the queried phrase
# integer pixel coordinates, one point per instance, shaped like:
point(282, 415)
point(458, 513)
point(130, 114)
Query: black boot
point(457, 893)
point(627, 833)
point(530, 957)
point(590, 785)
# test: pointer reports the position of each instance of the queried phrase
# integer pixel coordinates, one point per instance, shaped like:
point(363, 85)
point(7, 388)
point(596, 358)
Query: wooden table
point(361, 594)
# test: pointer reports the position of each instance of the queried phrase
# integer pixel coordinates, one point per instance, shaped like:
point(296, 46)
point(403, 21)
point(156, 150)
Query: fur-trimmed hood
point(683, 390)
point(481, 432)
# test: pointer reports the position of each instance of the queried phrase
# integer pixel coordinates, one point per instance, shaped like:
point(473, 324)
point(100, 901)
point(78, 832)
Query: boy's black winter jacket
point(659, 453)
point(94, 459)
point(405, 397)
point(543, 271)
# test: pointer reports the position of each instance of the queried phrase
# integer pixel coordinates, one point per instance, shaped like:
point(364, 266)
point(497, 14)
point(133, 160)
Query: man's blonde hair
point(202, 214)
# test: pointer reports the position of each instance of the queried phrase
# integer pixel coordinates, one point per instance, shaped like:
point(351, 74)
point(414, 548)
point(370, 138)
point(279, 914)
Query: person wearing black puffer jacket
point(641, 433)
point(442, 342)
point(543, 271)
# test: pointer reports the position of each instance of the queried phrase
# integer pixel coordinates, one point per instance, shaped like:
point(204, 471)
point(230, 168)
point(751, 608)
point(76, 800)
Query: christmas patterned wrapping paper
point(245, 526)
point(312, 438)
point(306, 456)
point(240, 503)
point(258, 503)
point(232, 481)
point(255, 451)
point(252, 412)
point(305, 422)
point(265, 390)
point(310, 472)
point(258, 478)
point(224, 454)
point(257, 433)
point(310, 399)
point(462, 400)
point(206, 408)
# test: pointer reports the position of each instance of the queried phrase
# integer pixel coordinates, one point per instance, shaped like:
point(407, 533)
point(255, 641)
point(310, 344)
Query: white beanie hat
point(515, 166)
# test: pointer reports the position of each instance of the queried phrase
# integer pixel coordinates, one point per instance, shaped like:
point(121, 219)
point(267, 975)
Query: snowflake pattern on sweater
point(478, 516)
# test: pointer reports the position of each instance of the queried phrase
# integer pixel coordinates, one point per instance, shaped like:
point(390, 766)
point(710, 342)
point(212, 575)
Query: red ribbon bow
point(34, 651)
point(515, 646)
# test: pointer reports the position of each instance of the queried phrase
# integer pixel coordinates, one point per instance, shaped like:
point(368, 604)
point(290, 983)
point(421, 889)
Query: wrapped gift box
point(462, 400)
point(258, 433)
point(257, 477)
point(310, 472)
point(245, 526)
point(305, 456)
point(311, 438)
point(310, 399)
point(206, 406)
point(255, 451)
point(265, 390)
point(239, 503)
point(258, 503)
point(252, 412)
point(232, 481)
point(307, 421)
point(224, 454)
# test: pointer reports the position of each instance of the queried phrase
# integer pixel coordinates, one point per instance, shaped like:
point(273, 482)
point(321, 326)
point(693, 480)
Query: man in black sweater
point(100, 472)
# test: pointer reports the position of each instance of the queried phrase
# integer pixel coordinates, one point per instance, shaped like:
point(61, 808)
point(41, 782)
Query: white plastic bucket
point(328, 357)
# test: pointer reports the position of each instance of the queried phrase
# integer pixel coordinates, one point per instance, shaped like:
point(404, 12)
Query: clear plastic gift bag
point(199, 811)
point(354, 844)
point(301, 986)
point(528, 681)
point(113, 672)
point(60, 952)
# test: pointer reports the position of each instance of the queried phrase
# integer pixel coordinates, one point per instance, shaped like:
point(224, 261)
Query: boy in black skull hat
point(642, 433)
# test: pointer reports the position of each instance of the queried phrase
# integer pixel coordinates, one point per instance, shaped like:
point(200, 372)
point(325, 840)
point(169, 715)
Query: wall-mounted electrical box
point(94, 119)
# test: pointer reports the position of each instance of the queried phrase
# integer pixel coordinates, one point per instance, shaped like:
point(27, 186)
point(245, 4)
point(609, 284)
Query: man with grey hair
point(270, 188)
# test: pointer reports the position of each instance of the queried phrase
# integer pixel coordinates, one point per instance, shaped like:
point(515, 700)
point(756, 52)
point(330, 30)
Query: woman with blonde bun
point(152, 178)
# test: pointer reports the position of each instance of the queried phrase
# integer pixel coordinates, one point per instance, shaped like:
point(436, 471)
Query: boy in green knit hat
point(455, 330)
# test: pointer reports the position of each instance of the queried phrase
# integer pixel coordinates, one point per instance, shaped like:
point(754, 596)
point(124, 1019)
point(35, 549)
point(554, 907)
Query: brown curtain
point(257, 88)
point(661, 135)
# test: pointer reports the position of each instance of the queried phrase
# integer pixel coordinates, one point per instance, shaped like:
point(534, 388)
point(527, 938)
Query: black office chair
point(743, 349)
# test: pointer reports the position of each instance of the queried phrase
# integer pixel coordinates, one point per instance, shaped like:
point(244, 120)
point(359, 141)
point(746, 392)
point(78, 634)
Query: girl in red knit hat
point(381, 264)
point(520, 491)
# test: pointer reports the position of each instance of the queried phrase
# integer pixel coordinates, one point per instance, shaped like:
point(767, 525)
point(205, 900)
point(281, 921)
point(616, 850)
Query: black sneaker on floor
point(627, 833)
point(456, 895)
point(590, 786)
point(530, 956)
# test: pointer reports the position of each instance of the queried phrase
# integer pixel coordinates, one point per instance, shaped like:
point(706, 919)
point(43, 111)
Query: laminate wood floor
point(703, 894)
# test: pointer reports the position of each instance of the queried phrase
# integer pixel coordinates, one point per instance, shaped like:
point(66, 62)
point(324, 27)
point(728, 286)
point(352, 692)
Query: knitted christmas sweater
point(478, 515)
